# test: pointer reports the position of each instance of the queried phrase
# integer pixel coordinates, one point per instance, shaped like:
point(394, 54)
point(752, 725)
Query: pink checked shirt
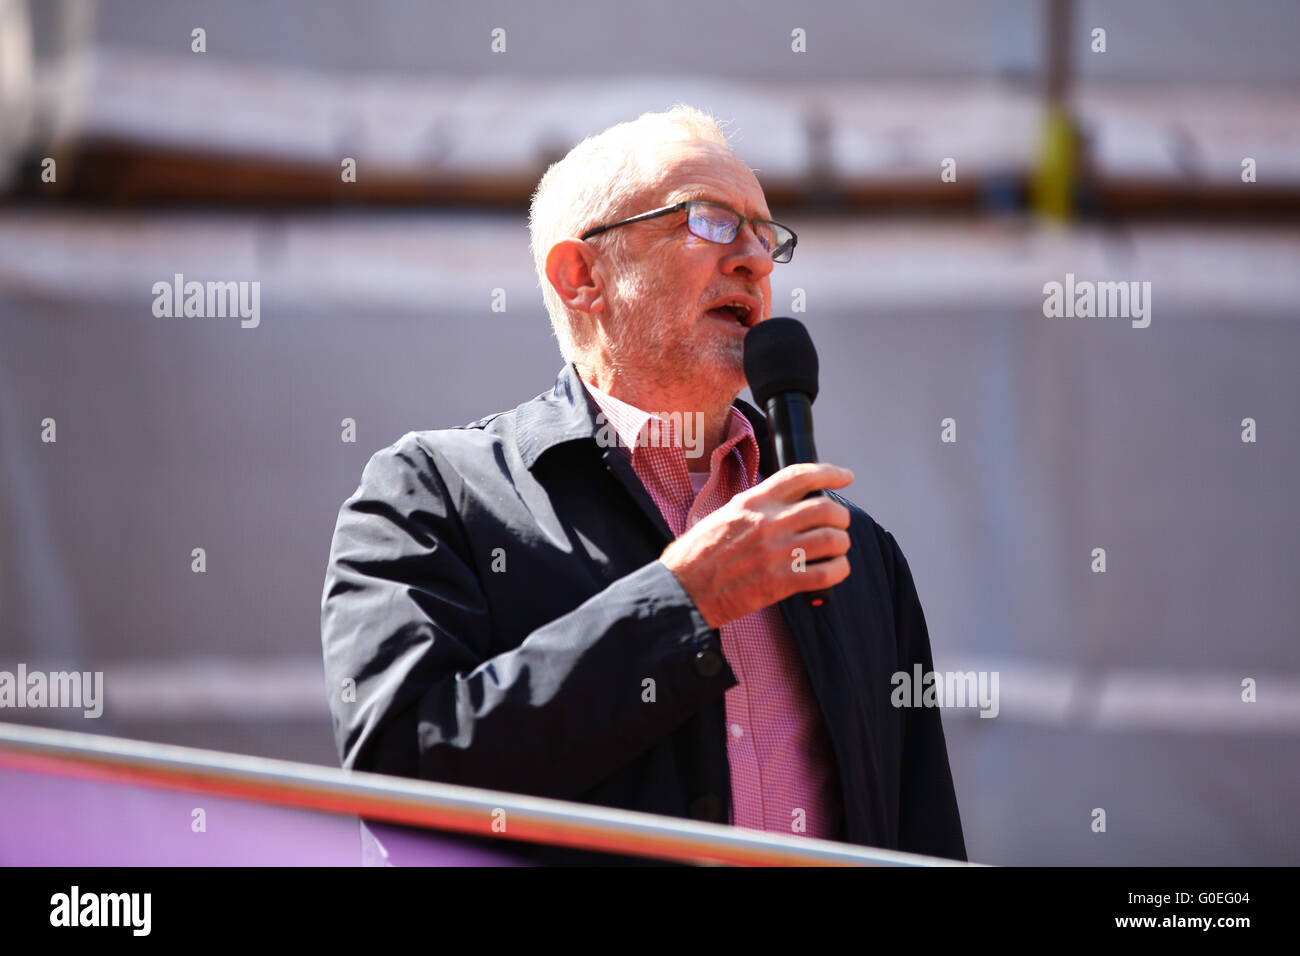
point(783, 771)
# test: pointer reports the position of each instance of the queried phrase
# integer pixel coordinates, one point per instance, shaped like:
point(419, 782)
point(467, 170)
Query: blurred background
point(133, 149)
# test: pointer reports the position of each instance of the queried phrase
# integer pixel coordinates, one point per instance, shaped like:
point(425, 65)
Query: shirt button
point(737, 730)
point(708, 663)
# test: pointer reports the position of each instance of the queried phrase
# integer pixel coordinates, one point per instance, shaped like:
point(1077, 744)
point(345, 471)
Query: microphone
point(781, 366)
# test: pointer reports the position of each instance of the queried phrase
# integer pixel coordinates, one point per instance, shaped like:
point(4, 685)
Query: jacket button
point(708, 663)
point(707, 808)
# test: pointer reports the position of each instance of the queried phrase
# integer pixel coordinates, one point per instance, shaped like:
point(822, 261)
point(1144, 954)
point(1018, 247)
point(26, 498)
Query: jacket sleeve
point(413, 691)
point(929, 821)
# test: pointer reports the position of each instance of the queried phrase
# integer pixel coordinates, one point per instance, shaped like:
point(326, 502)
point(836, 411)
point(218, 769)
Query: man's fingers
point(823, 543)
point(823, 574)
point(816, 512)
point(794, 482)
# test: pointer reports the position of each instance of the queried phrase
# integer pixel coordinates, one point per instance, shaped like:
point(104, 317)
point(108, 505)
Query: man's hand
point(742, 557)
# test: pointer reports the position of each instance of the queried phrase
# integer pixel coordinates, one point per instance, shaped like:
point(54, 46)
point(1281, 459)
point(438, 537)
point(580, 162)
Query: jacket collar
point(568, 413)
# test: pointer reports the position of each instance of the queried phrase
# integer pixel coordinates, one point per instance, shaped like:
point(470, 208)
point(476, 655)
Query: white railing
point(436, 806)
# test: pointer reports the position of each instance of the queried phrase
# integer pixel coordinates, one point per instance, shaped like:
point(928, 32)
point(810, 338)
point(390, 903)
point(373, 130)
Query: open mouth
point(736, 312)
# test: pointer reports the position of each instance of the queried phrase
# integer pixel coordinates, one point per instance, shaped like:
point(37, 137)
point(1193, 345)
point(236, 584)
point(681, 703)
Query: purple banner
point(52, 820)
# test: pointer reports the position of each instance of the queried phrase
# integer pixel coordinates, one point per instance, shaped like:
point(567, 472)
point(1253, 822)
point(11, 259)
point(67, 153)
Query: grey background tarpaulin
point(1119, 690)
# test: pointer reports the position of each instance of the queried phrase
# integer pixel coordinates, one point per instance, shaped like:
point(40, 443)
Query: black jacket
point(494, 591)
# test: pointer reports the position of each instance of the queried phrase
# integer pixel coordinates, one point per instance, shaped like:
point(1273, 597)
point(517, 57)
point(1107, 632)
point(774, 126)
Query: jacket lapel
point(620, 466)
point(568, 413)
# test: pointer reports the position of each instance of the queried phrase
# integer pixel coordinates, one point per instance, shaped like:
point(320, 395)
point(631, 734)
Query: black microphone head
point(779, 357)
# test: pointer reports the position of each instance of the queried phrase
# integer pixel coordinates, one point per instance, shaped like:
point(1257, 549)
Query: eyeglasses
point(718, 223)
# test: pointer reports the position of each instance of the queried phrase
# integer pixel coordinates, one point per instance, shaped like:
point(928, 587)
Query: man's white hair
point(593, 185)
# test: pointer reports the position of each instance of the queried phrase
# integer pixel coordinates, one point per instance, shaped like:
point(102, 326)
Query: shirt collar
point(568, 413)
point(634, 430)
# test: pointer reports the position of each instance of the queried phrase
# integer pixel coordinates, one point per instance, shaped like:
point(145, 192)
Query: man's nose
point(747, 252)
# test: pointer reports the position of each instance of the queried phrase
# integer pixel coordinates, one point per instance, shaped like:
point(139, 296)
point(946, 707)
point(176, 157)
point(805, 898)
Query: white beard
point(648, 340)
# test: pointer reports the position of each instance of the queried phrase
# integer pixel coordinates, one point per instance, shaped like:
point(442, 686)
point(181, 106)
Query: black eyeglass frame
point(677, 207)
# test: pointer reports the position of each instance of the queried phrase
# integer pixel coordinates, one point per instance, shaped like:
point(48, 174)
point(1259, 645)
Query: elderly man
point(572, 599)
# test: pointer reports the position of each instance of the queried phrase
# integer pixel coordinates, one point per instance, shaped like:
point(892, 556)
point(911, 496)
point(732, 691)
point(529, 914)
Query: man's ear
point(576, 276)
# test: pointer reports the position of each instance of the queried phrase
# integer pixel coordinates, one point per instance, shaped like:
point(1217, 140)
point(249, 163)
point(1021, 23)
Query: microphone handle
point(789, 417)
